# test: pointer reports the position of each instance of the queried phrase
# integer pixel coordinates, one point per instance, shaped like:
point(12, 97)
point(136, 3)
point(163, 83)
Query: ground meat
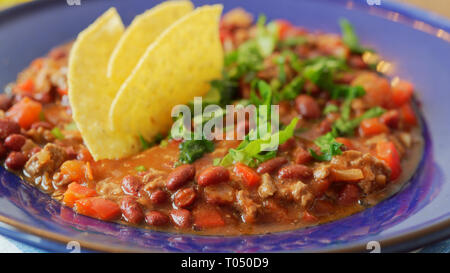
point(296, 191)
point(267, 187)
point(220, 194)
point(375, 172)
point(246, 206)
point(47, 160)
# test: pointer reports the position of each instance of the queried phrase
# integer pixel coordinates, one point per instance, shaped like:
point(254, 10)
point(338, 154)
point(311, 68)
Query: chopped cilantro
point(280, 61)
point(321, 70)
point(330, 108)
point(292, 41)
point(41, 116)
point(191, 150)
point(144, 143)
point(57, 133)
point(344, 127)
point(350, 38)
point(252, 153)
point(71, 127)
point(141, 168)
point(329, 147)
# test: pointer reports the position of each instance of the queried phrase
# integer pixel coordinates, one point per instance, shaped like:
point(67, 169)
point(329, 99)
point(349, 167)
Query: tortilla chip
point(143, 30)
point(177, 67)
point(90, 91)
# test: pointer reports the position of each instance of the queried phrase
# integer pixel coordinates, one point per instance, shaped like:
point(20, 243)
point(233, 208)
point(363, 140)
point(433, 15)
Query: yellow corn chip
point(90, 91)
point(143, 30)
point(175, 68)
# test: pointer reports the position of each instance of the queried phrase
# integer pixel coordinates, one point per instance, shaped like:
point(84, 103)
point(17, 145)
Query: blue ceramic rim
point(422, 234)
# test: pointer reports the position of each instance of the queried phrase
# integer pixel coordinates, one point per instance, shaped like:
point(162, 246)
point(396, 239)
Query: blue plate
point(416, 41)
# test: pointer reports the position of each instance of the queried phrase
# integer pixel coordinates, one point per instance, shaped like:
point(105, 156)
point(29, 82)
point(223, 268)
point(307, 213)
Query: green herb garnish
point(57, 133)
point(191, 150)
point(328, 147)
point(256, 151)
point(350, 38)
point(141, 168)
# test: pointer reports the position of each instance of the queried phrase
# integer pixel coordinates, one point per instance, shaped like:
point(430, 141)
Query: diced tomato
point(349, 195)
point(206, 217)
point(77, 170)
point(347, 142)
point(387, 152)
point(62, 92)
point(250, 177)
point(225, 34)
point(37, 63)
point(85, 155)
point(309, 218)
point(402, 92)
point(372, 126)
point(27, 86)
point(76, 192)
point(283, 27)
point(99, 208)
point(408, 114)
point(25, 112)
point(378, 89)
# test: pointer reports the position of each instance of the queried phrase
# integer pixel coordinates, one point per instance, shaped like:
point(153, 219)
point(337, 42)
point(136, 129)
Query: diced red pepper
point(27, 86)
point(76, 192)
point(25, 112)
point(77, 170)
point(283, 27)
point(387, 152)
point(62, 92)
point(250, 177)
point(408, 114)
point(99, 208)
point(402, 92)
point(206, 217)
point(372, 126)
point(347, 142)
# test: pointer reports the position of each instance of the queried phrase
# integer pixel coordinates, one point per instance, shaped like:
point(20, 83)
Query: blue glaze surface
point(417, 215)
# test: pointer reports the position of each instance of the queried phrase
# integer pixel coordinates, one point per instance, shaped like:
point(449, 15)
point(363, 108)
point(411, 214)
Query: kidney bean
point(131, 185)
point(318, 187)
point(42, 124)
point(14, 142)
point(156, 218)
point(5, 102)
point(349, 194)
point(391, 118)
point(323, 207)
point(296, 171)
point(184, 197)
point(15, 160)
point(34, 150)
point(324, 126)
point(271, 165)
point(3, 151)
point(70, 153)
point(180, 176)
point(356, 61)
point(302, 156)
point(158, 197)
point(131, 210)
point(288, 145)
point(8, 127)
point(181, 217)
point(213, 175)
point(307, 106)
